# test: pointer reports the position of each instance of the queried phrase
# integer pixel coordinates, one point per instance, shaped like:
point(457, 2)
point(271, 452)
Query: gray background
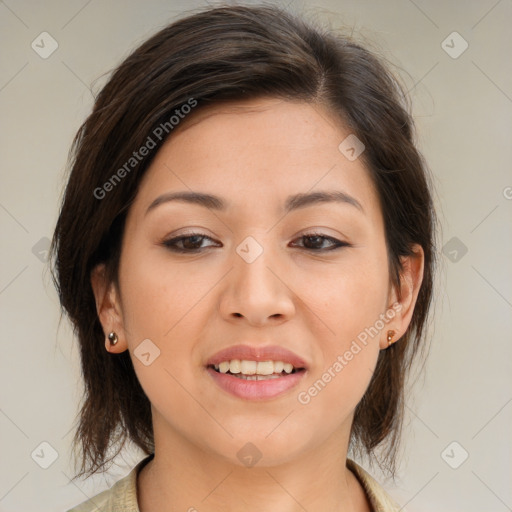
point(463, 110)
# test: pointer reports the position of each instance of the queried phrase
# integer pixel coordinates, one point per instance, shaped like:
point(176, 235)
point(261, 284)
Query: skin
point(253, 154)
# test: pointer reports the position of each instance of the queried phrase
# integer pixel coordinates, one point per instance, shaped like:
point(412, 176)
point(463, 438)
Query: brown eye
point(187, 243)
point(316, 241)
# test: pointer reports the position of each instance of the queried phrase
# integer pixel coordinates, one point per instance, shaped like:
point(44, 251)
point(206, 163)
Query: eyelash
point(171, 243)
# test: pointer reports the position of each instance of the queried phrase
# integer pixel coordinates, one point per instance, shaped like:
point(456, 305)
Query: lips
point(263, 386)
point(264, 353)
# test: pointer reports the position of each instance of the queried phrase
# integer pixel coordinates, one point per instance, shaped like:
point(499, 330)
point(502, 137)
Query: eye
point(193, 243)
point(314, 242)
point(187, 243)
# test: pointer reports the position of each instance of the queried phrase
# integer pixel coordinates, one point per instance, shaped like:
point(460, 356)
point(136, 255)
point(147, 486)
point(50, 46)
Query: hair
point(232, 53)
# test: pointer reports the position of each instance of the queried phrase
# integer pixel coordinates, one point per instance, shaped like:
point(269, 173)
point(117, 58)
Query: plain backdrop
point(455, 58)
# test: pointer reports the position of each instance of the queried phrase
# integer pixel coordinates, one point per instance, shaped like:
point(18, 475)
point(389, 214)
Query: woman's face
point(268, 269)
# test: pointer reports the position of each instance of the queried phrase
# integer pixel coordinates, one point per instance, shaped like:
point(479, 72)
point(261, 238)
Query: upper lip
point(259, 353)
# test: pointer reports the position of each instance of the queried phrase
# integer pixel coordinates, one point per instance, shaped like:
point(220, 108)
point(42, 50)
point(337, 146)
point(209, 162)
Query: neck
point(183, 476)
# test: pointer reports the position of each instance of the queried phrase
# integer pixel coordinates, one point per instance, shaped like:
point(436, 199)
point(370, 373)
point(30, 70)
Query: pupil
point(317, 240)
point(191, 241)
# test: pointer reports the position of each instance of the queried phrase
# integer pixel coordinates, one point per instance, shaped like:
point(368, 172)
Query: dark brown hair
point(219, 54)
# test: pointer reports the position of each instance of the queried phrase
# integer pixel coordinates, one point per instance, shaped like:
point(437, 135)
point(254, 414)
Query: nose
point(257, 292)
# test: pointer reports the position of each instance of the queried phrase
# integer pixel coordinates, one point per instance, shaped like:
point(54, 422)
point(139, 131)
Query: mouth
point(255, 370)
point(258, 373)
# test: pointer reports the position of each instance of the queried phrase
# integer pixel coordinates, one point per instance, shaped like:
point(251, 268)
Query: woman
point(245, 248)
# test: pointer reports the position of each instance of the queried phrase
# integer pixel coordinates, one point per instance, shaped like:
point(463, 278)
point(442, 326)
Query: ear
point(108, 307)
point(411, 278)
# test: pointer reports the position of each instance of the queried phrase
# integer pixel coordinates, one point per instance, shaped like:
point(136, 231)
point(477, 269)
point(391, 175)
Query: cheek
point(168, 303)
point(347, 297)
point(159, 302)
point(349, 301)
point(348, 355)
point(157, 295)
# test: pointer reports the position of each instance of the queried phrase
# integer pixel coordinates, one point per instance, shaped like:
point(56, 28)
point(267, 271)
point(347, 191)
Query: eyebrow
point(293, 202)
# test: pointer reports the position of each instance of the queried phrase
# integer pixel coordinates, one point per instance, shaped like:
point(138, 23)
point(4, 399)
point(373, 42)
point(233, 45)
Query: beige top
point(122, 496)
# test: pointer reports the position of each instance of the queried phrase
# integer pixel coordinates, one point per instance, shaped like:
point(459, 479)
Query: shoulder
point(121, 497)
point(377, 496)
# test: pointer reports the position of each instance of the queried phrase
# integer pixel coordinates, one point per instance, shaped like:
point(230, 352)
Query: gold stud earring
point(390, 337)
point(112, 337)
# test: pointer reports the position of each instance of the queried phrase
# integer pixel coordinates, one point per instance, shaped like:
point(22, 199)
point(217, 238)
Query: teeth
point(278, 366)
point(224, 367)
point(288, 367)
point(265, 368)
point(250, 368)
point(235, 366)
point(256, 377)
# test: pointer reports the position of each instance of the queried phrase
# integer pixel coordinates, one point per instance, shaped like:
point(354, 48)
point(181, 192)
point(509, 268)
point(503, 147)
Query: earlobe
point(390, 337)
point(411, 277)
point(108, 310)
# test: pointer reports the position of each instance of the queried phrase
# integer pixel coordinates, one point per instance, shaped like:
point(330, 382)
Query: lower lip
point(256, 389)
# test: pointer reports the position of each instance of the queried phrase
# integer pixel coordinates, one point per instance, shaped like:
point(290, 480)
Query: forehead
point(263, 122)
point(259, 151)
